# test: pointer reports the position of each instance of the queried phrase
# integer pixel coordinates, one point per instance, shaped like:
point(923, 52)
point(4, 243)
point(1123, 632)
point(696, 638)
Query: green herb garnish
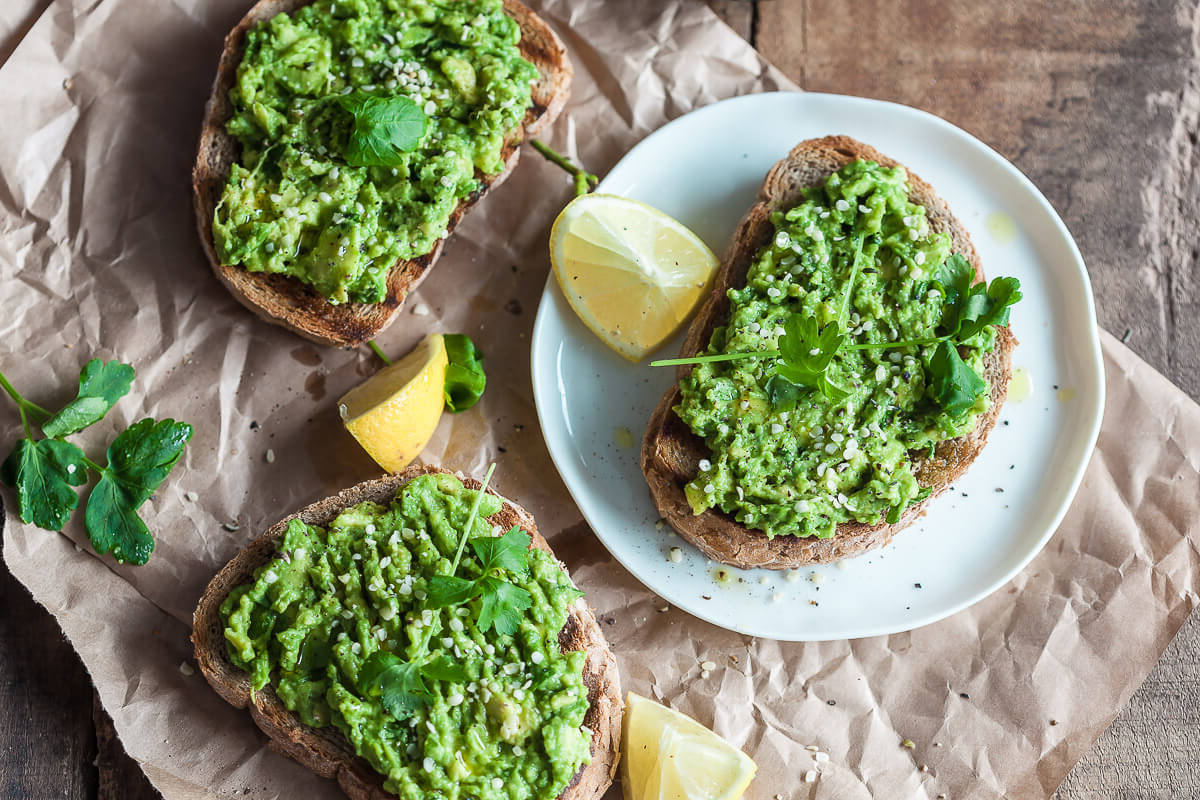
point(584, 180)
point(465, 378)
point(806, 350)
point(400, 685)
point(382, 129)
point(46, 471)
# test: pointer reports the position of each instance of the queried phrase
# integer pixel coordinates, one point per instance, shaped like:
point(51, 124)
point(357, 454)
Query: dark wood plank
point(46, 734)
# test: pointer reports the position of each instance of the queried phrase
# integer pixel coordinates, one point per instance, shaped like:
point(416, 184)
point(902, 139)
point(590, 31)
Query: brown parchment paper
point(98, 257)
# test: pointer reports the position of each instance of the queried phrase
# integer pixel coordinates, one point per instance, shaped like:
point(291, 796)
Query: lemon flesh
point(394, 412)
point(669, 756)
point(631, 273)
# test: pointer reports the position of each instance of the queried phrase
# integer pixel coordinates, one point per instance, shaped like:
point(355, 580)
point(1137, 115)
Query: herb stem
point(93, 466)
point(858, 243)
point(23, 405)
point(672, 362)
point(584, 180)
point(379, 352)
point(462, 542)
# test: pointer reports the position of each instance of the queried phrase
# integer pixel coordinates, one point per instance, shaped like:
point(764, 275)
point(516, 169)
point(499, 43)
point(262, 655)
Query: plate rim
point(1095, 365)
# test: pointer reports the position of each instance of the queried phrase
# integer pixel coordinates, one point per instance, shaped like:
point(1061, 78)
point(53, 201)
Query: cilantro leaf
point(510, 551)
point(465, 378)
point(398, 684)
point(954, 385)
point(449, 590)
point(383, 129)
point(502, 604)
point(101, 385)
point(43, 474)
point(139, 459)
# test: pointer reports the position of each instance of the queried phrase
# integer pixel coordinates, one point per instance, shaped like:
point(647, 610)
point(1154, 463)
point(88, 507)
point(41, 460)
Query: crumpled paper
point(99, 257)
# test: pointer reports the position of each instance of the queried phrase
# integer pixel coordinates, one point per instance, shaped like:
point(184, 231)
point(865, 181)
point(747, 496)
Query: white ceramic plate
point(704, 169)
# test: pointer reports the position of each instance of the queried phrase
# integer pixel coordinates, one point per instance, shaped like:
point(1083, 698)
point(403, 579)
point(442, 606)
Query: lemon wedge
point(633, 274)
point(669, 756)
point(394, 412)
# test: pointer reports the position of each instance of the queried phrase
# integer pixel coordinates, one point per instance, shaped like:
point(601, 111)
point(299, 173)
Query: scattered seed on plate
point(810, 776)
point(270, 456)
point(186, 669)
point(192, 497)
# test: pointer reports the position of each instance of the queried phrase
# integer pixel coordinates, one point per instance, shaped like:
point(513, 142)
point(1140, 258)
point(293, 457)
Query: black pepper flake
point(999, 489)
point(916, 586)
point(831, 702)
point(513, 307)
point(1053, 722)
point(964, 494)
point(964, 695)
point(502, 449)
point(706, 597)
point(254, 425)
point(1005, 422)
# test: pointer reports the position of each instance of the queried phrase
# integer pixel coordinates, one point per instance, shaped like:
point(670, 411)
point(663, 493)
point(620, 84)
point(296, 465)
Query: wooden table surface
point(1097, 101)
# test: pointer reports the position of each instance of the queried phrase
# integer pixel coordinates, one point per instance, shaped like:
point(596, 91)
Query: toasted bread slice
point(325, 750)
point(287, 301)
point(671, 452)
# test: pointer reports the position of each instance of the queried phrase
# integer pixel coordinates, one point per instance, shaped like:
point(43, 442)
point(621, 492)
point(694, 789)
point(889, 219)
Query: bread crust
point(287, 301)
point(324, 750)
point(671, 453)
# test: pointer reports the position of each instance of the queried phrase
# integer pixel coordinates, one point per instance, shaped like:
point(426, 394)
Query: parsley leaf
point(398, 684)
point(510, 551)
point(449, 590)
point(502, 606)
point(101, 385)
point(806, 352)
point(988, 307)
point(139, 459)
point(953, 384)
point(383, 129)
point(501, 602)
point(43, 474)
point(465, 378)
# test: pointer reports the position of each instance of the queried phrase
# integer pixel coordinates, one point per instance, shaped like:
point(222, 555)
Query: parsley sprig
point(382, 129)
point(500, 602)
point(401, 686)
point(46, 471)
point(806, 349)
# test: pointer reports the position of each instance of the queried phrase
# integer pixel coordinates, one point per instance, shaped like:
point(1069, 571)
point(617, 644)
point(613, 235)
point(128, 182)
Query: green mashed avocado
point(313, 616)
point(801, 473)
point(294, 205)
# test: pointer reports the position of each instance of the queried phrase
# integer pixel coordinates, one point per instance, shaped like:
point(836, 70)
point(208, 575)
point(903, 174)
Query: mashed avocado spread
point(508, 726)
point(311, 81)
point(831, 460)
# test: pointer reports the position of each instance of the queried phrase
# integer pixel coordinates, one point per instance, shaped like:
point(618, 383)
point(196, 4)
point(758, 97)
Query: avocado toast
point(673, 456)
point(488, 735)
point(354, 228)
